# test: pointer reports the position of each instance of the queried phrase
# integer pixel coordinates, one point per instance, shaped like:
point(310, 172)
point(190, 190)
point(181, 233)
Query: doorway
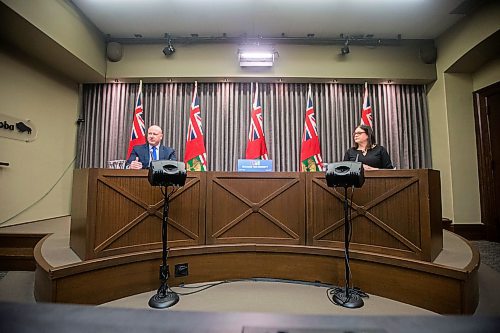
point(487, 120)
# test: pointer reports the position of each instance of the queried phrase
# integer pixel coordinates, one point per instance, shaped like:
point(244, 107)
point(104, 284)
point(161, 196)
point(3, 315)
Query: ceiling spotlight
point(345, 49)
point(169, 49)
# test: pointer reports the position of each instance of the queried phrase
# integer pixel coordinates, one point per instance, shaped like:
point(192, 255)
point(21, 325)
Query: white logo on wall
point(17, 128)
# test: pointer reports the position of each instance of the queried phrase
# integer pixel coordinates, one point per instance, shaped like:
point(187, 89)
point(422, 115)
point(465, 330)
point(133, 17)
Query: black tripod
point(164, 297)
point(347, 297)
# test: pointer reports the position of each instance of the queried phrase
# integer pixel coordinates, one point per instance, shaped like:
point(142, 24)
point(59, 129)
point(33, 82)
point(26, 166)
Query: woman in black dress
point(365, 150)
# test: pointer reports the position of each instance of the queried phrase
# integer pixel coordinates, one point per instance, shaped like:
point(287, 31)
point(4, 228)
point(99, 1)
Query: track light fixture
point(169, 49)
point(310, 39)
point(345, 49)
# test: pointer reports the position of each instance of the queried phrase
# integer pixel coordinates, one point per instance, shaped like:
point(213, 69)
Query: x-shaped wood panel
point(365, 211)
point(256, 208)
point(155, 209)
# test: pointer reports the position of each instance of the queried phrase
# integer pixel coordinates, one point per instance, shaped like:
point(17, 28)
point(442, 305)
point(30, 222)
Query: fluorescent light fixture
point(256, 57)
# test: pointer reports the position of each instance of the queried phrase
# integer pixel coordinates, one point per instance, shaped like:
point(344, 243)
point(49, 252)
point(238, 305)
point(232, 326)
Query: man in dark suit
point(153, 150)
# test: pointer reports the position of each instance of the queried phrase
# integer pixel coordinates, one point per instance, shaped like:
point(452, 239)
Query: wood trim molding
point(470, 231)
point(94, 281)
point(16, 251)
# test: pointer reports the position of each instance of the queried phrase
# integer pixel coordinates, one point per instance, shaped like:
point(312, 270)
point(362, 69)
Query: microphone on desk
point(151, 155)
point(346, 174)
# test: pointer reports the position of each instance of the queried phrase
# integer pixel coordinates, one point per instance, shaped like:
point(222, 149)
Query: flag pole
point(256, 94)
point(139, 93)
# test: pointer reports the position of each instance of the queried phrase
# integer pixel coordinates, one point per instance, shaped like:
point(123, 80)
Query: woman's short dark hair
point(371, 137)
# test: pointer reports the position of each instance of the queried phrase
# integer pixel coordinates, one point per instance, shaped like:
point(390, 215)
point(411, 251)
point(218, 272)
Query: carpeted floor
point(490, 253)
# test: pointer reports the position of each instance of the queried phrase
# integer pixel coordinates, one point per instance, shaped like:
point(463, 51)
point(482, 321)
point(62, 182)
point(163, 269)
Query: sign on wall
point(17, 128)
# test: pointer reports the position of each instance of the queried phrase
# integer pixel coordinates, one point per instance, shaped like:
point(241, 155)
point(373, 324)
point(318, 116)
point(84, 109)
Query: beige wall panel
point(440, 145)
point(295, 61)
point(62, 23)
point(467, 33)
point(487, 75)
point(463, 151)
point(30, 92)
point(451, 127)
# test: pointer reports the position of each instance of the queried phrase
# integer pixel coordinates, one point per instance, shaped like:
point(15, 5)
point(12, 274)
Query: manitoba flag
point(256, 146)
point(310, 152)
point(366, 113)
point(196, 155)
point(137, 135)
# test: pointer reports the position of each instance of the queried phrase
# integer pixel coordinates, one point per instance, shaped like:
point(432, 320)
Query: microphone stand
point(164, 297)
point(344, 296)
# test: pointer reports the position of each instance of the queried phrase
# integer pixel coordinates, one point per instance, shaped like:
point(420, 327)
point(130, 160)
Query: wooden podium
point(395, 213)
point(118, 211)
point(254, 207)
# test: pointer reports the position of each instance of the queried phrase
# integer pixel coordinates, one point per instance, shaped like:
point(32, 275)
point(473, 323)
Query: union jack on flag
point(256, 146)
point(137, 135)
point(310, 153)
point(196, 155)
point(366, 113)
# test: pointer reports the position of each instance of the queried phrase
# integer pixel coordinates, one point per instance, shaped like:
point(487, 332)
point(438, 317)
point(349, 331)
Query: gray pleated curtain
point(400, 120)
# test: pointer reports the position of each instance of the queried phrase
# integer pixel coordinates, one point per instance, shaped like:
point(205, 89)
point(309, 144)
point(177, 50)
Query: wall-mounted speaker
point(114, 51)
point(428, 54)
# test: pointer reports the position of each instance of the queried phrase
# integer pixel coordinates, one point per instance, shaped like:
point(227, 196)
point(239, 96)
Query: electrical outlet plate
point(181, 270)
